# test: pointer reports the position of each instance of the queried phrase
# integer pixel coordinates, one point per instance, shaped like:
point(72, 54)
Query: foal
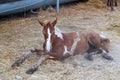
point(59, 45)
point(111, 3)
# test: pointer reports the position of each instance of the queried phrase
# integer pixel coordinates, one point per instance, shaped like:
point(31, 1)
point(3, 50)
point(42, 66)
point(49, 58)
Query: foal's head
point(48, 31)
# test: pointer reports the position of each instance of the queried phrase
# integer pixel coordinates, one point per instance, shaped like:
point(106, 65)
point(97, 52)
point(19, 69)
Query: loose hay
point(19, 34)
point(115, 28)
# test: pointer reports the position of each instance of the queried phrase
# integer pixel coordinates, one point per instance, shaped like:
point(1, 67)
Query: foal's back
point(81, 38)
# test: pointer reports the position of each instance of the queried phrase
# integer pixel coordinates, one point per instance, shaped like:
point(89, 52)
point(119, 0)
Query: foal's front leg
point(23, 57)
point(37, 64)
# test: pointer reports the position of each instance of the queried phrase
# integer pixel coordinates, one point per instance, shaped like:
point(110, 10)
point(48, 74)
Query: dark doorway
point(7, 1)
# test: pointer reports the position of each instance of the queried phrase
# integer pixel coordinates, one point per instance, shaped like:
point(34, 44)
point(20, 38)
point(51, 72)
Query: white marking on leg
point(72, 50)
point(65, 50)
point(105, 55)
point(103, 50)
point(48, 43)
point(58, 33)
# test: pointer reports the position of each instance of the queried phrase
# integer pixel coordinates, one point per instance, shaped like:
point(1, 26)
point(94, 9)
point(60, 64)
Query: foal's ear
point(54, 22)
point(41, 23)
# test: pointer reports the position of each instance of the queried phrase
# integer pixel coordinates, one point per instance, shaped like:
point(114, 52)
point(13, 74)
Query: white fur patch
point(102, 35)
point(48, 43)
point(65, 50)
point(74, 45)
point(77, 34)
point(103, 51)
point(58, 33)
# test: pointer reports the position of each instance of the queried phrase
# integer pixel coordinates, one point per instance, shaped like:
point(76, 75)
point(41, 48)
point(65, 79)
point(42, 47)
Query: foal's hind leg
point(37, 64)
point(89, 56)
point(96, 41)
point(104, 54)
point(91, 51)
point(23, 57)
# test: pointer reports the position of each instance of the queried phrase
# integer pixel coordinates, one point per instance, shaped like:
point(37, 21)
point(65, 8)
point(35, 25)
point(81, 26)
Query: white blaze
point(58, 33)
point(48, 43)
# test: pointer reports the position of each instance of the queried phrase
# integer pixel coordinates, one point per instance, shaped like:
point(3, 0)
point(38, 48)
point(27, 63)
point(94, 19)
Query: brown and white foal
point(59, 45)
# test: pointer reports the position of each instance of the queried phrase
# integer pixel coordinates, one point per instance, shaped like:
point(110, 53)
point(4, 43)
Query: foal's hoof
point(16, 64)
point(108, 57)
point(31, 71)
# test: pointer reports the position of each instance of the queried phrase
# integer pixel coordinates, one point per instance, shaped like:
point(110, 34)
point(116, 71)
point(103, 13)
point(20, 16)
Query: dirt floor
point(18, 34)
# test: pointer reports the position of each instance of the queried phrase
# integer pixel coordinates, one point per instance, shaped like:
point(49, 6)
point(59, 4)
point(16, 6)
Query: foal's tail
point(105, 40)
